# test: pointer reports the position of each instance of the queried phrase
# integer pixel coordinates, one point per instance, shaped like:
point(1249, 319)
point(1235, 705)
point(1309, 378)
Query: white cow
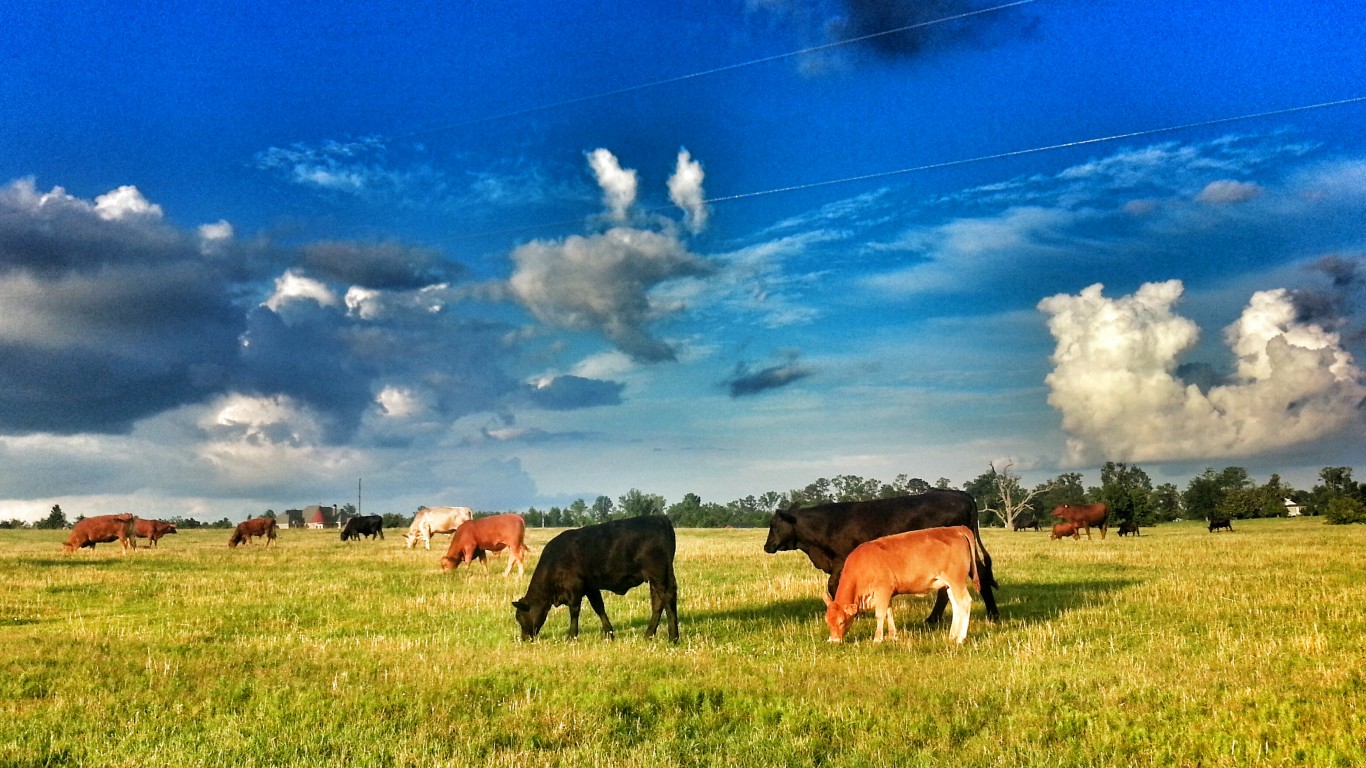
point(431, 520)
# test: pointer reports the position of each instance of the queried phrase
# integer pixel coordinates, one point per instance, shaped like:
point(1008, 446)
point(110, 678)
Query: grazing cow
point(1064, 529)
point(103, 529)
point(433, 520)
point(616, 556)
point(248, 529)
point(1224, 523)
point(827, 533)
point(1025, 520)
point(1086, 516)
point(1128, 528)
point(487, 534)
point(363, 525)
point(914, 563)
point(152, 529)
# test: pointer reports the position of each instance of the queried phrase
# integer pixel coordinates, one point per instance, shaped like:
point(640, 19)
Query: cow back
point(840, 527)
point(615, 556)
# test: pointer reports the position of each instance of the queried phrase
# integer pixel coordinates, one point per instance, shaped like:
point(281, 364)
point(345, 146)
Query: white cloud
point(1228, 192)
point(685, 190)
point(602, 283)
point(618, 185)
point(292, 286)
point(126, 202)
point(1114, 379)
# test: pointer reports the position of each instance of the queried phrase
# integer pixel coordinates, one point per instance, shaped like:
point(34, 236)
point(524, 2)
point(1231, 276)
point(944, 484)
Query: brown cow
point(1085, 516)
point(247, 529)
point(1064, 529)
point(912, 563)
point(103, 529)
point(487, 534)
point(152, 529)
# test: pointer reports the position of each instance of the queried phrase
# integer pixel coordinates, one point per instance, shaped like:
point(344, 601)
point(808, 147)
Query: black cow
point(616, 556)
point(363, 525)
point(827, 533)
point(1224, 523)
point(1128, 528)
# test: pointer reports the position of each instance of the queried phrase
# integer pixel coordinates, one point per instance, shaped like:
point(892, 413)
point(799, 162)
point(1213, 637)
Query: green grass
point(1179, 648)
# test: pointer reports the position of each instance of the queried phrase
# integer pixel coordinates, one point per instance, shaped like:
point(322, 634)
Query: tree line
point(1003, 500)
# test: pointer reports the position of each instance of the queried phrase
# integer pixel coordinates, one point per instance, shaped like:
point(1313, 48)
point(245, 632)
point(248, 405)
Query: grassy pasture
point(1179, 648)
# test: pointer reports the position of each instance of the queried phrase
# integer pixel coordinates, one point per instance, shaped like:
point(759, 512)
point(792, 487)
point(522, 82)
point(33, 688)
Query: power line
point(954, 163)
point(708, 72)
point(1036, 150)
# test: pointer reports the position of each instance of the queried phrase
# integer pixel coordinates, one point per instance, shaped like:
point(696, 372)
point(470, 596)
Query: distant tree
point(904, 486)
point(999, 494)
point(854, 488)
point(13, 523)
point(1127, 491)
point(1335, 483)
point(1063, 489)
point(269, 513)
point(395, 520)
point(1207, 491)
point(943, 483)
point(1345, 510)
point(602, 509)
point(55, 519)
point(635, 503)
point(686, 512)
point(577, 513)
point(554, 517)
point(1165, 502)
point(223, 523)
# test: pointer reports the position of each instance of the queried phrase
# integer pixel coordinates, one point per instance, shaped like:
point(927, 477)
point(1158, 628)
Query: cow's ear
point(521, 606)
point(787, 518)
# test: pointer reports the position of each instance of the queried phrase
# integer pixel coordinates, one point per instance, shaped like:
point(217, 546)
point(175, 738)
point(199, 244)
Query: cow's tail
point(981, 550)
point(973, 571)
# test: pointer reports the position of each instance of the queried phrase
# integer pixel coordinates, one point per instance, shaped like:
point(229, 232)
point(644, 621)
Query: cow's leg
point(941, 601)
point(962, 607)
point(512, 553)
point(595, 600)
point(664, 598)
point(891, 623)
point(1086, 527)
point(574, 605)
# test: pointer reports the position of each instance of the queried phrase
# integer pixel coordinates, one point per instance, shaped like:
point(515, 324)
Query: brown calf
point(247, 529)
point(487, 534)
point(152, 529)
point(913, 563)
point(102, 529)
point(1063, 530)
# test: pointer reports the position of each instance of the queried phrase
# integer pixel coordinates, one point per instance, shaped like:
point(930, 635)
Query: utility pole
point(358, 507)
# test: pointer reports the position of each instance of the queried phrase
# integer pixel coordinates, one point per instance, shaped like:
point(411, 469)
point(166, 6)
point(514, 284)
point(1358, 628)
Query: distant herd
point(872, 551)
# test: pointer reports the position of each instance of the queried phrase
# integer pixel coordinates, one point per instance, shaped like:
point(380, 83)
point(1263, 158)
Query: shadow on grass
point(1022, 601)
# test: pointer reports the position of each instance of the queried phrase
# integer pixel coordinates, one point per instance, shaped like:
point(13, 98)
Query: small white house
point(1291, 508)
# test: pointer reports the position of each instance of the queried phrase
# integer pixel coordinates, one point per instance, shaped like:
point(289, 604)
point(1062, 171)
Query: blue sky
point(520, 255)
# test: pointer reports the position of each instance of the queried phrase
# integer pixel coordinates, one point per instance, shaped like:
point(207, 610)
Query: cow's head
point(530, 617)
point(839, 617)
point(170, 529)
point(449, 563)
point(782, 532)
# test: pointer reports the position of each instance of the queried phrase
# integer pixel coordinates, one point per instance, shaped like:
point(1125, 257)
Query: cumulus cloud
point(126, 202)
point(294, 286)
point(685, 190)
point(1228, 192)
point(602, 283)
point(1115, 379)
point(618, 184)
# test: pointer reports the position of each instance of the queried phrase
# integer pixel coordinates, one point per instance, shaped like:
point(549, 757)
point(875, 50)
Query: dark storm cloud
point(746, 382)
point(1337, 304)
point(564, 393)
point(107, 316)
point(383, 266)
point(870, 17)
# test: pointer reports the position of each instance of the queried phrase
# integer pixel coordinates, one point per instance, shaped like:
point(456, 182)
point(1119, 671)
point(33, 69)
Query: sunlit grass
point(1177, 648)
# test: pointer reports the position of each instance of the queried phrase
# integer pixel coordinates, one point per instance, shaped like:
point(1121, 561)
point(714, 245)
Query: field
point(1179, 648)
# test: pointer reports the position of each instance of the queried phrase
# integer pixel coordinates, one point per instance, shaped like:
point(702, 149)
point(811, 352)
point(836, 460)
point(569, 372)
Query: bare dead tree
point(1011, 495)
